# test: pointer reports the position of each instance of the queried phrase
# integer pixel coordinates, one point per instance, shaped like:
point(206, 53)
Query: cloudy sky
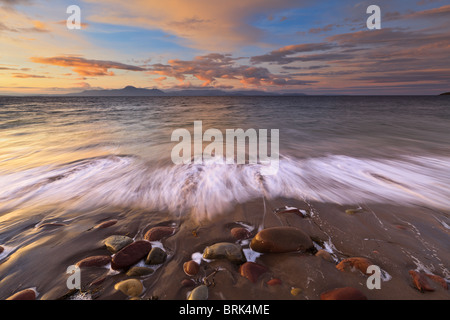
point(314, 47)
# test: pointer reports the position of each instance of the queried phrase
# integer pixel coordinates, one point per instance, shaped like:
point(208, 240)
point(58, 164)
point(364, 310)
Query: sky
point(301, 46)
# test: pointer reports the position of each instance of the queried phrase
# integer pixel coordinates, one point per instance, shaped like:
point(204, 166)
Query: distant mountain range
point(445, 94)
point(130, 91)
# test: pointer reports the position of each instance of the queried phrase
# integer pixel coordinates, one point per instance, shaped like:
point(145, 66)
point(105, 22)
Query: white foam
point(211, 188)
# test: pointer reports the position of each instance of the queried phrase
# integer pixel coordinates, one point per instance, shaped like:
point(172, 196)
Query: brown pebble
point(438, 280)
point(354, 263)
point(346, 293)
point(106, 224)
point(94, 261)
point(420, 282)
point(324, 255)
point(273, 282)
point(52, 224)
point(27, 294)
point(158, 233)
point(1, 249)
point(281, 239)
point(240, 233)
point(131, 254)
point(188, 283)
point(252, 271)
point(191, 268)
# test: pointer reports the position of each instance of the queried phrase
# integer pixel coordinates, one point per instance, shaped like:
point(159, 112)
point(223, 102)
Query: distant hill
point(445, 94)
point(125, 92)
point(130, 91)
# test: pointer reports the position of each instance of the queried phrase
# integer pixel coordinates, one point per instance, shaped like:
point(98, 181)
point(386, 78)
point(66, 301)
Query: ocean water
point(89, 153)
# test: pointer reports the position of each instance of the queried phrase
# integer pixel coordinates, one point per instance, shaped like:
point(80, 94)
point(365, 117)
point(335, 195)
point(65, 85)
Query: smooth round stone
point(131, 255)
point(52, 225)
point(158, 233)
point(240, 233)
point(296, 291)
point(252, 271)
point(1, 249)
point(139, 271)
point(156, 256)
point(191, 268)
point(439, 280)
point(354, 263)
point(420, 281)
point(225, 250)
point(281, 239)
point(273, 282)
point(130, 287)
point(324, 255)
point(347, 293)
point(94, 261)
point(116, 243)
point(27, 294)
point(188, 283)
point(199, 293)
point(106, 224)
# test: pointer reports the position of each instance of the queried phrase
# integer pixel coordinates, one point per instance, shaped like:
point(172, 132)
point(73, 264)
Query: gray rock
point(139, 271)
point(116, 243)
point(156, 256)
point(199, 293)
point(225, 250)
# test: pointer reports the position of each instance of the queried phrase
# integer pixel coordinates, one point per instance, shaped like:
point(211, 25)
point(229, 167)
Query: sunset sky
point(313, 47)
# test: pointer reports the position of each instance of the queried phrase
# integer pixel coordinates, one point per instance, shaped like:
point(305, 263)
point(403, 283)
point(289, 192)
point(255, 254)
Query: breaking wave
point(210, 188)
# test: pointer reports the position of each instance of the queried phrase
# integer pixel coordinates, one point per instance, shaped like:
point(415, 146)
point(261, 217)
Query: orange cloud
point(25, 76)
point(86, 67)
point(206, 24)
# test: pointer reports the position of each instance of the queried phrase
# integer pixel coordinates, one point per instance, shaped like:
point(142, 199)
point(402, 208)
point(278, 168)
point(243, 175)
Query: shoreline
point(397, 239)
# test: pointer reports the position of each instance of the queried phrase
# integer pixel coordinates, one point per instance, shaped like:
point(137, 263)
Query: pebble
point(94, 261)
point(116, 243)
point(188, 283)
point(354, 263)
point(106, 224)
point(281, 239)
point(353, 211)
point(131, 254)
point(52, 224)
point(1, 249)
point(199, 293)
point(438, 280)
point(158, 233)
point(139, 271)
point(27, 294)
point(324, 255)
point(156, 256)
point(130, 287)
point(240, 233)
point(420, 282)
point(225, 250)
point(273, 282)
point(296, 291)
point(252, 271)
point(191, 268)
point(346, 293)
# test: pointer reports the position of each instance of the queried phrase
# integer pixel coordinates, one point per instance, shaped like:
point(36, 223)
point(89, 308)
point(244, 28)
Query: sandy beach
point(397, 239)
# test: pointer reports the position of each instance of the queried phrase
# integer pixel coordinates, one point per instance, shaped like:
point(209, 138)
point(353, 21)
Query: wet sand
point(397, 239)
